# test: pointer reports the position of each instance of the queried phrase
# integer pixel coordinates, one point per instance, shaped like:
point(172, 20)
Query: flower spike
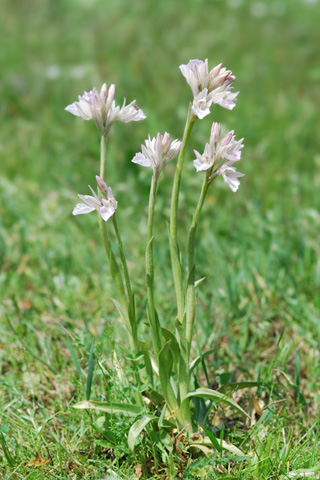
point(209, 87)
point(228, 149)
point(157, 152)
point(105, 204)
point(101, 107)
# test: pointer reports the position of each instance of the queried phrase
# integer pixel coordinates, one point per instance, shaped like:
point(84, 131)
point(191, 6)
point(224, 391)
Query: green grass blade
point(90, 372)
point(165, 369)
point(213, 439)
point(5, 449)
point(76, 362)
point(26, 346)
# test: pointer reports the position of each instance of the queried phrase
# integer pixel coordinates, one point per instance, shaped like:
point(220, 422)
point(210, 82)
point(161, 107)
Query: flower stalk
point(189, 318)
point(153, 317)
point(190, 292)
point(103, 156)
point(123, 284)
point(174, 246)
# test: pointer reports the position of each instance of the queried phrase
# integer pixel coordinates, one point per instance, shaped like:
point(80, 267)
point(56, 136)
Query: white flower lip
point(230, 175)
point(101, 107)
point(209, 87)
point(105, 204)
point(157, 152)
point(228, 149)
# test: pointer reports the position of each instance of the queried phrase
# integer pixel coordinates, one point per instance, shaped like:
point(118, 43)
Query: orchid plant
point(166, 378)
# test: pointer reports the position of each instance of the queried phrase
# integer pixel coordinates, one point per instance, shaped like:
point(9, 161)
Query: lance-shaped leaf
point(174, 346)
point(137, 428)
point(213, 396)
point(147, 361)
point(206, 443)
point(177, 276)
point(119, 408)
point(198, 282)
point(165, 369)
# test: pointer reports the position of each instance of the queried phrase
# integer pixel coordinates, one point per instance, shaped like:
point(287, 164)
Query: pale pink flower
point(228, 149)
point(209, 87)
point(157, 152)
point(101, 107)
point(230, 175)
point(105, 204)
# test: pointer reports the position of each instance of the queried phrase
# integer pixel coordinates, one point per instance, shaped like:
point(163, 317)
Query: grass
point(258, 249)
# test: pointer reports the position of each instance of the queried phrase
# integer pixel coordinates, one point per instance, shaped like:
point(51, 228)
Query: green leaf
point(156, 398)
point(137, 428)
point(206, 442)
point(147, 361)
point(174, 346)
point(122, 408)
point(198, 282)
point(265, 418)
point(203, 448)
point(161, 418)
point(215, 397)
point(90, 372)
point(165, 364)
point(233, 449)
point(165, 368)
point(6, 452)
point(75, 361)
point(213, 439)
point(302, 473)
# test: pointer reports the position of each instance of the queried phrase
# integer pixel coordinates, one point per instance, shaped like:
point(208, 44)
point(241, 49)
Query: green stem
point(190, 296)
point(184, 376)
point(154, 322)
point(114, 267)
point(132, 313)
point(103, 155)
point(122, 256)
point(174, 247)
point(126, 296)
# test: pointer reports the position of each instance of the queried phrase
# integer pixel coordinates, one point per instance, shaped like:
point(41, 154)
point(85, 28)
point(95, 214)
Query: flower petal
point(140, 159)
point(202, 162)
point(92, 202)
point(81, 208)
point(106, 212)
point(201, 104)
point(131, 113)
point(233, 183)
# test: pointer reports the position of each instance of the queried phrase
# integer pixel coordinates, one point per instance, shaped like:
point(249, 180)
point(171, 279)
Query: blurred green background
point(52, 51)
